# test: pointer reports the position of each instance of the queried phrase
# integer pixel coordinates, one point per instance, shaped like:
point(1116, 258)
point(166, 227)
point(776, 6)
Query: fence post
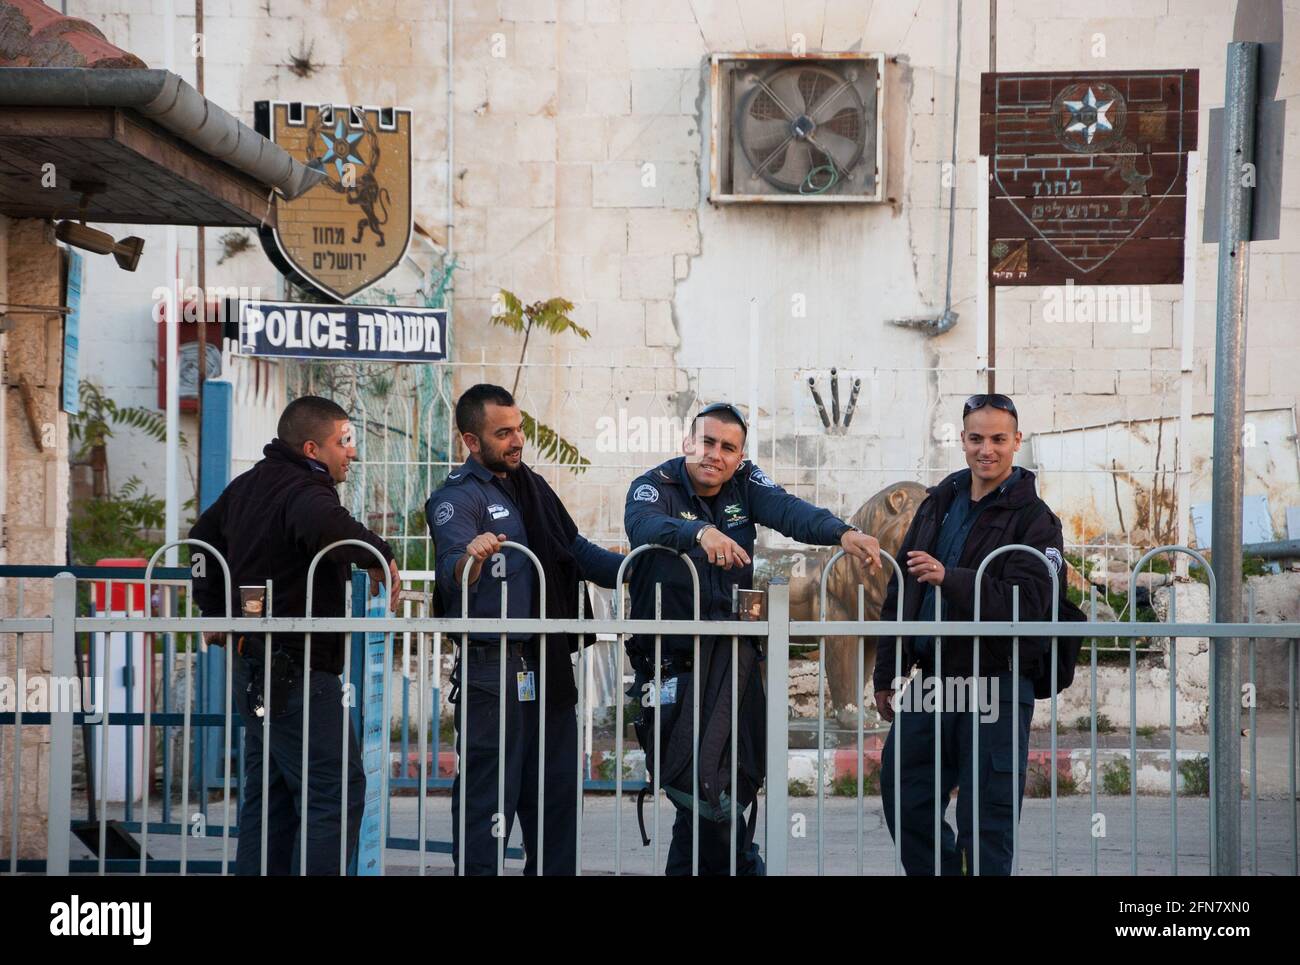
point(63, 667)
point(778, 723)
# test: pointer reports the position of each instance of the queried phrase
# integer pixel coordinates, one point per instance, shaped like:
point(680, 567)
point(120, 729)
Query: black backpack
point(677, 733)
point(1067, 648)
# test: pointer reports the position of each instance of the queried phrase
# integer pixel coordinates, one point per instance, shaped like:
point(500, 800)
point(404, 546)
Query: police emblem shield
point(352, 229)
point(1088, 174)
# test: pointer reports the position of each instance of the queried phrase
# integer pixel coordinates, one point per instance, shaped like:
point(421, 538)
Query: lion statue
point(886, 516)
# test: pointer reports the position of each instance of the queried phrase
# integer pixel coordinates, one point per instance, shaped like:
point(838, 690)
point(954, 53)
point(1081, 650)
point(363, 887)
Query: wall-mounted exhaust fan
point(806, 129)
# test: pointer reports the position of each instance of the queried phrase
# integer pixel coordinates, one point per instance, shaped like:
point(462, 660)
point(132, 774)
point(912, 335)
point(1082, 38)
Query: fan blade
point(846, 123)
point(836, 95)
point(798, 162)
point(814, 85)
point(766, 134)
point(840, 149)
point(784, 86)
point(776, 154)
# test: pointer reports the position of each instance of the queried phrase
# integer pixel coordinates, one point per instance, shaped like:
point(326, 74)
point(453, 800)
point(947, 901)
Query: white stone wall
point(559, 104)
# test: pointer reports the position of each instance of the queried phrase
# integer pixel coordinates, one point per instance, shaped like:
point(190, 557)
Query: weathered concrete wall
point(35, 466)
point(559, 104)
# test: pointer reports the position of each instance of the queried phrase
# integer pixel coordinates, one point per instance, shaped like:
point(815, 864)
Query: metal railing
point(773, 635)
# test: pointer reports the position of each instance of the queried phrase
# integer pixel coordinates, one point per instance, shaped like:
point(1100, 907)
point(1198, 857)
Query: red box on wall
point(120, 588)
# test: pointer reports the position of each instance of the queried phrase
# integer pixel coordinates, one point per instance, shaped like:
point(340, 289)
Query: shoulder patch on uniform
point(645, 493)
point(761, 478)
point(444, 512)
point(1054, 555)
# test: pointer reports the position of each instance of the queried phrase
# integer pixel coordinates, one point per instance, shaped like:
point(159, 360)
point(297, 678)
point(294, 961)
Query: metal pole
point(1229, 458)
point(983, 187)
point(778, 720)
point(59, 805)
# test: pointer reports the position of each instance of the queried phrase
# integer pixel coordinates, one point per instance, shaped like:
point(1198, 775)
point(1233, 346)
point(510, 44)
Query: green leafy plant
point(606, 769)
point(1196, 776)
point(846, 785)
point(803, 789)
point(1115, 778)
point(93, 426)
point(1038, 781)
point(119, 524)
point(549, 316)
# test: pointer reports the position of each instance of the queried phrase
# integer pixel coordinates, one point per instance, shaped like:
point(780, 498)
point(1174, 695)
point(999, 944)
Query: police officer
point(494, 498)
point(708, 504)
point(967, 516)
point(269, 524)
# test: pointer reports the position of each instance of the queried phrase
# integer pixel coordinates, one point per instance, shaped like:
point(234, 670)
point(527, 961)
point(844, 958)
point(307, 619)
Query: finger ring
point(721, 558)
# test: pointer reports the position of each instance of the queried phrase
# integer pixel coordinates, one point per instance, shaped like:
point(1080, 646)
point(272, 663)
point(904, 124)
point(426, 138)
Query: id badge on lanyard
point(525, 686)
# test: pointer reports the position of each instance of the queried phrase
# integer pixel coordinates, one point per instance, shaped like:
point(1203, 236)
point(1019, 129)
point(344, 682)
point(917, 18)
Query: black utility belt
point(492, 648)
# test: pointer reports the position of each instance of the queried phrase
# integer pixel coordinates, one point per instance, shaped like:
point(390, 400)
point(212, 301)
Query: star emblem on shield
point(1088, 116)
point(338, 148)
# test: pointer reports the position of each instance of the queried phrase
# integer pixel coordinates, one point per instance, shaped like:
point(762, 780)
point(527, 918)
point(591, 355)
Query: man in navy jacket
point(493, 499)
point(708, 505)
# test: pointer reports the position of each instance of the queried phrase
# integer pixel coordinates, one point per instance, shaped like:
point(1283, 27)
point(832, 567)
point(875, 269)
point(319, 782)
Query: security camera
point(126, 252)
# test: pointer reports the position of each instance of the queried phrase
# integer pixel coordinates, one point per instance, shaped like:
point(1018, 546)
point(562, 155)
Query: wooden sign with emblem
point(351, 230)
point(1087, 175)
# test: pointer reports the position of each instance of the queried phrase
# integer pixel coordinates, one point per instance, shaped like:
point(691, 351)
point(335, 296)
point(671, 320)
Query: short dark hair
point(309, 418)
point(723, 412)
point(471, 407)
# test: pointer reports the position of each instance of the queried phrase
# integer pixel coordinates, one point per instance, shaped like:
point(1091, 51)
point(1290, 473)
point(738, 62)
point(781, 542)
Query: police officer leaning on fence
point(964, 518)
point(708, 504)
point(491, 499)
point(269, 524)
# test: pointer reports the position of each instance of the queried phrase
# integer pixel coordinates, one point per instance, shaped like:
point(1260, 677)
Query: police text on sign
point(293, 330)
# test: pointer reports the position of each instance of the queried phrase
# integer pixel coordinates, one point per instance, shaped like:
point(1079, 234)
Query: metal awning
point(133, 146)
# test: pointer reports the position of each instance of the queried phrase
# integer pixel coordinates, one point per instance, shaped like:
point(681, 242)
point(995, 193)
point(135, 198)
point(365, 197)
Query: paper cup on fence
point(252, 601)
point(751, 605)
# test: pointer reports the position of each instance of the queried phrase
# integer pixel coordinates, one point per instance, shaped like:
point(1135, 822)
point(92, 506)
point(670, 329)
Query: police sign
point(393, 333)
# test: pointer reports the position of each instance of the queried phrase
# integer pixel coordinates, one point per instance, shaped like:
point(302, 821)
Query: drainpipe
point(945, 322)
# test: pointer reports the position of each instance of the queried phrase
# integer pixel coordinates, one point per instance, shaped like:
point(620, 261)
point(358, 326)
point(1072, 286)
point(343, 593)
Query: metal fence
point(787, 844)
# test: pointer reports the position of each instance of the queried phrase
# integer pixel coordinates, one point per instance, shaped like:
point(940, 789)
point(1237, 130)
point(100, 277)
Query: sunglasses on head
point(995, 399)
point(723, 407)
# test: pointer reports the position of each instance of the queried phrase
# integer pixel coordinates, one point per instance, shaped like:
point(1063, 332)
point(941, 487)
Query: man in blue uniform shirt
point(708, 505)
point(494, 498)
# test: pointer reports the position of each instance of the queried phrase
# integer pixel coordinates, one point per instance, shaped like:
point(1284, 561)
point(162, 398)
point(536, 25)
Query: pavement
point(606, 848)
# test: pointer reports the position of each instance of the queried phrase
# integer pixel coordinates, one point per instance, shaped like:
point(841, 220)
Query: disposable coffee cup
point(252, 601)
point(751, 606)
